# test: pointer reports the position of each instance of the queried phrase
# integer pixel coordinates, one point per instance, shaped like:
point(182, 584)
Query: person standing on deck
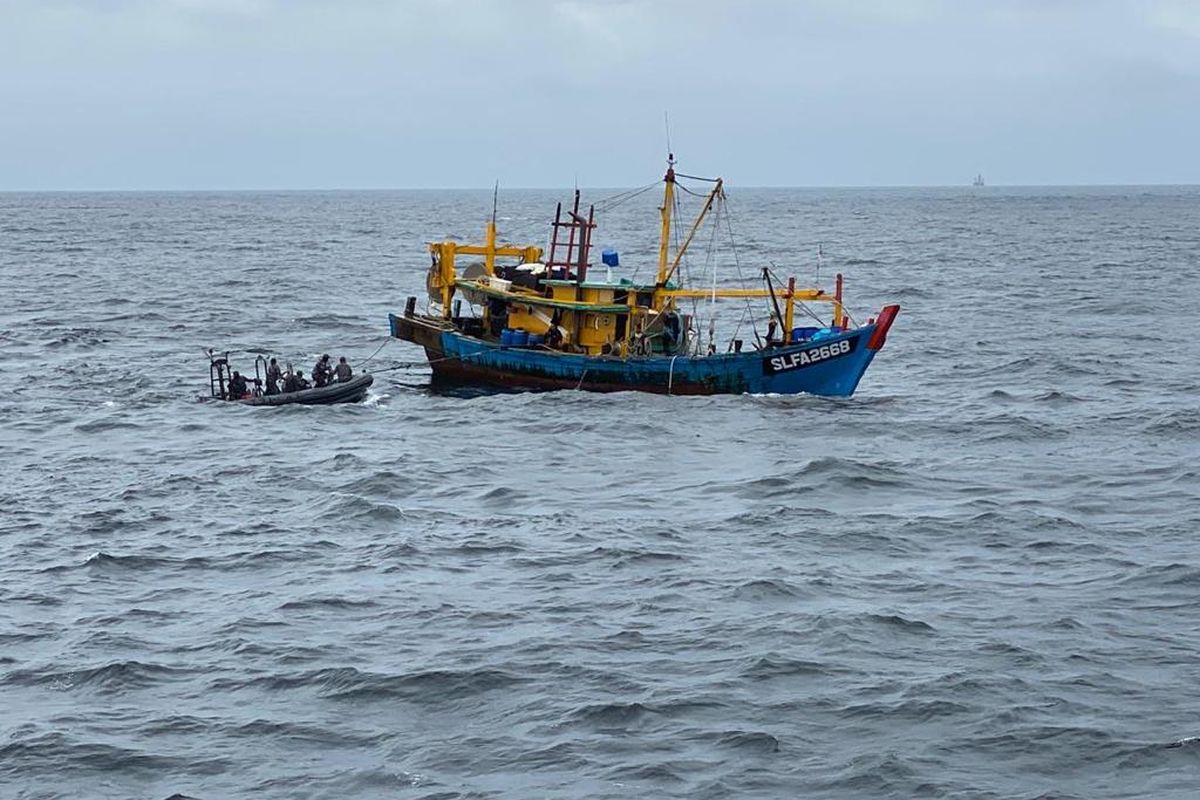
point(343, 372)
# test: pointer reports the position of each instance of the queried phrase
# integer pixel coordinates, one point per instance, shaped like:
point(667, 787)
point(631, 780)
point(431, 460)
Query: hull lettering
point(818, 354)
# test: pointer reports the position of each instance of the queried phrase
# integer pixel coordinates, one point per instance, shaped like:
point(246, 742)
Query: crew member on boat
point(322, 373)
point(237, 386)
point(554, 337)
point(293, 381)
point(342, 372)
point(274, 375)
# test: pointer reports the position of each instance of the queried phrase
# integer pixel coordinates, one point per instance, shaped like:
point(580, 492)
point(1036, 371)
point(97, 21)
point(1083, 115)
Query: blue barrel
point(506, 338)
point(536, 339)
point(520, 337)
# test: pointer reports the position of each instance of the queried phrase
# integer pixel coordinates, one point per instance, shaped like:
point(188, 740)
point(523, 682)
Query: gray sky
point(429, 93)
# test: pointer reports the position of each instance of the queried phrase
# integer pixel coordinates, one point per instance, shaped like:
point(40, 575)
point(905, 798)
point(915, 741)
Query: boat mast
point(708, 204)
point(668, 204)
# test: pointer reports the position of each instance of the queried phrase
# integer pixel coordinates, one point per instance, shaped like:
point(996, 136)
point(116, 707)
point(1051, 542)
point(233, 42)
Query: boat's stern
point(423, 331)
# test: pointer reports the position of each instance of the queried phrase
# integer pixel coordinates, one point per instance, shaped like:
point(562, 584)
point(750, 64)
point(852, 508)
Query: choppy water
point(976, 579)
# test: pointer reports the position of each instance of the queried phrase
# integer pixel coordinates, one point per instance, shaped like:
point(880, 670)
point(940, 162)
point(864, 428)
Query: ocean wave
point(625, 557)
point(765, 590)
point(343, 507)
point(897, 622)
point(56, 753)
point(330, 603)
point(755, 742)
point(350, 684)
point(1182, 421)
point(107, 562)
point(116, 676)
point(772, 666)
point(108, 424)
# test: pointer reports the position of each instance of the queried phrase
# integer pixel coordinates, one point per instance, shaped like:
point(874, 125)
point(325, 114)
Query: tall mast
point(668, 202)
point(489, 259)
point(717, 192)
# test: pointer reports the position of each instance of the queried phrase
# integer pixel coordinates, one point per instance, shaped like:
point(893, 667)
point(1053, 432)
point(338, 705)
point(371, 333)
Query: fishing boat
point(536, 321)
point(220, 374)
point(978, 179)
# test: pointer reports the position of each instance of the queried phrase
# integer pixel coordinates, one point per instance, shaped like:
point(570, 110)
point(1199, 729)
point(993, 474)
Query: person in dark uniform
point(291, 381)
point(237, 386)
point(343, 372)
point(322, 373)
point(274, 375)
point(554, 337)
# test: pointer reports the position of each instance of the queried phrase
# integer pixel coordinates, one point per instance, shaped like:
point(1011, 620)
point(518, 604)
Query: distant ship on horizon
point(978, 179)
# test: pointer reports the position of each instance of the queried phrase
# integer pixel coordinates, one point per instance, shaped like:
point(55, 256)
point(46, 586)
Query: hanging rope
point(432, 361)
point(680, 186)
point(377, 349)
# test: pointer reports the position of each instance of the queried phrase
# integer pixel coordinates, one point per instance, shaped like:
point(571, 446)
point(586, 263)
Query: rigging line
point(737, 329)
point(689, 191)
point(377, 349)
point(775, 274)
point(685, 273)
point(728, 213)
point(805, 308)
point(621, 197)
point(707, 268)
point(519, 230)
point(710, 265)
point(696, 178)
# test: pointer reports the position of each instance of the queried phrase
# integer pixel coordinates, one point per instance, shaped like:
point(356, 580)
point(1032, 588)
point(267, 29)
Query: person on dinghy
point(342, 371)
point(274, 376)
point(292, 380)
point(322, 373)
point(237, 386)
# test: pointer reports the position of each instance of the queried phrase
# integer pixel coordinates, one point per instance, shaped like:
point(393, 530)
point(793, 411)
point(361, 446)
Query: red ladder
point(578, 245)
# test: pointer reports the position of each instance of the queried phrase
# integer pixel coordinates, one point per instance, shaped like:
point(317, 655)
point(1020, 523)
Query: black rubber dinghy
point(351, 391)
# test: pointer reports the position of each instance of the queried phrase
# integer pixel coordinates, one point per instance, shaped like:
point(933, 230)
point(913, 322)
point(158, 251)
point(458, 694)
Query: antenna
point(667, 127)
point(495, 200)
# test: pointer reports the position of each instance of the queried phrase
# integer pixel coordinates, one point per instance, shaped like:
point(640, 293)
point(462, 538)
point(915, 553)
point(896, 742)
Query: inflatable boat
point(352, 391)
point(221, 378)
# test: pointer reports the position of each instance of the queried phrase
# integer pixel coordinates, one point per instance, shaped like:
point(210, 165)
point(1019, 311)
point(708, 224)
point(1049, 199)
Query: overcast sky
point(193, 94)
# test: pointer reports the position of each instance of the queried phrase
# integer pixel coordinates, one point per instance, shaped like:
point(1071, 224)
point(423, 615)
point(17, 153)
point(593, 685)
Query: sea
point(975, 579)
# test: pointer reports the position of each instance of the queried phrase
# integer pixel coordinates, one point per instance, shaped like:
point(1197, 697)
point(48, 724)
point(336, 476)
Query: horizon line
point(315, 189)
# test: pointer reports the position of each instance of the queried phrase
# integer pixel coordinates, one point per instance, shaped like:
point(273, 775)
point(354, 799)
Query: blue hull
point(831, 367)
